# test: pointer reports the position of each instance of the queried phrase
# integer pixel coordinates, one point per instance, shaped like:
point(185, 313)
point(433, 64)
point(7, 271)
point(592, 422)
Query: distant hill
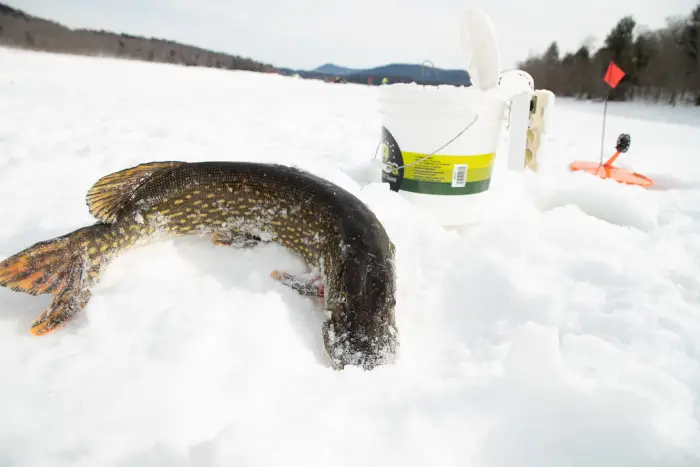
point(395, 72)
point(22, 30)
point(331, 69)
point(19, 29)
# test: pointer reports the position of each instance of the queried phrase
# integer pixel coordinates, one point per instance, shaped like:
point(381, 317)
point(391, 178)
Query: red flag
point(614, 74)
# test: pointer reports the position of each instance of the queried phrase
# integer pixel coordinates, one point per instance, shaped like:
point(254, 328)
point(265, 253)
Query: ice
point(562, 329)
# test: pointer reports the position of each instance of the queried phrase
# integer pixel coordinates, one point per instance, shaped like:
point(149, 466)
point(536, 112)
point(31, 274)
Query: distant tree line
point(661, 65)
point(18, 29)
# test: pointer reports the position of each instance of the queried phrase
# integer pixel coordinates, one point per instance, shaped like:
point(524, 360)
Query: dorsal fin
point(110, 193)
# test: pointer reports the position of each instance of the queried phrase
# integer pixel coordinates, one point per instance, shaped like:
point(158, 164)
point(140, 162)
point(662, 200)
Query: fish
point(349, 254)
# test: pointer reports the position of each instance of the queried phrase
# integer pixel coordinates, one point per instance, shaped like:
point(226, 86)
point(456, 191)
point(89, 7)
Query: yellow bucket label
point(435, 174)
point(439, 174)
point(447, 169)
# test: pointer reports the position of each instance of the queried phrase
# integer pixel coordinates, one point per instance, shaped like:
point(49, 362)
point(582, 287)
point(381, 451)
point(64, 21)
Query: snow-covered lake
point(561, 330)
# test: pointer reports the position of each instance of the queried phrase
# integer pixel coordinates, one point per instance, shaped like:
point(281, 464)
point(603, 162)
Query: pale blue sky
point(359, 33)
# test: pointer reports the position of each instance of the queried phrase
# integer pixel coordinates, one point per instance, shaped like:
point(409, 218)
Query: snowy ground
point(561, 330)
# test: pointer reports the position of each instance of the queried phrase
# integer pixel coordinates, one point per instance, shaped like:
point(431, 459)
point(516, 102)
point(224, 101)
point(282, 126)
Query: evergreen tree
point(662, 64)
point(690, 44)
point(620, 47)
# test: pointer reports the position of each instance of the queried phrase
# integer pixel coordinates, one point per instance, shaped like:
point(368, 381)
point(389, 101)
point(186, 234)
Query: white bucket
point(417, 121)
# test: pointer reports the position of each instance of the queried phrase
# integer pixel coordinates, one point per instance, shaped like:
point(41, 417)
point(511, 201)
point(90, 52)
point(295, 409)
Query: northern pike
point(240, 204)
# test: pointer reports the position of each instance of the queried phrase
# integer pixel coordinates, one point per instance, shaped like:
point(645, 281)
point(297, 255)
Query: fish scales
point(211, 202)
point(241, 204)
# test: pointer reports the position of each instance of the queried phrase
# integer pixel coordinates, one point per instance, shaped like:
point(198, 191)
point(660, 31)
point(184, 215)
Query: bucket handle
point(422, 71)
point(389, 168)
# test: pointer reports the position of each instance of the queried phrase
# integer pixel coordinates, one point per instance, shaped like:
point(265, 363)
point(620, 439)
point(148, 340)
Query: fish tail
point(60, 266)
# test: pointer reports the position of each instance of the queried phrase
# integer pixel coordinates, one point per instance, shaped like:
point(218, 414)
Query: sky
point(305, 34)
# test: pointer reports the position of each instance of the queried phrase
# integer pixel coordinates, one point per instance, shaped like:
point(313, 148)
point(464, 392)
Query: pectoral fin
point(234, 239)
point(307, 287)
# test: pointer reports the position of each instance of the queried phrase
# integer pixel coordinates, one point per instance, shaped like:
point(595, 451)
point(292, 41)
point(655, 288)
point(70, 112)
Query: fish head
point(361, 327)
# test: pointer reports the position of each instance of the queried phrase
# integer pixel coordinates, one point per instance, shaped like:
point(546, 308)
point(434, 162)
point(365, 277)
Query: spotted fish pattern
point(239, 204)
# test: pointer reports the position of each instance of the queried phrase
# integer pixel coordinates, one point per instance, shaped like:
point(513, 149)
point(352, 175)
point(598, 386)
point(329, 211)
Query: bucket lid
point(480, 48)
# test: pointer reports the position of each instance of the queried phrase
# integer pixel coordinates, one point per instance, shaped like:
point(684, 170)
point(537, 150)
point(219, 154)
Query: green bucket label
point(435, 174)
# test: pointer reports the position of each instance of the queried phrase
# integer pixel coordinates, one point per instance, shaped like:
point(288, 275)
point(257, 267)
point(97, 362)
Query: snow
point(562, 329)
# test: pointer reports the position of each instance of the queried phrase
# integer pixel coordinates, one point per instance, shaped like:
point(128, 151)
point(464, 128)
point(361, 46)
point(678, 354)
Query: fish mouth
point(363, 350)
